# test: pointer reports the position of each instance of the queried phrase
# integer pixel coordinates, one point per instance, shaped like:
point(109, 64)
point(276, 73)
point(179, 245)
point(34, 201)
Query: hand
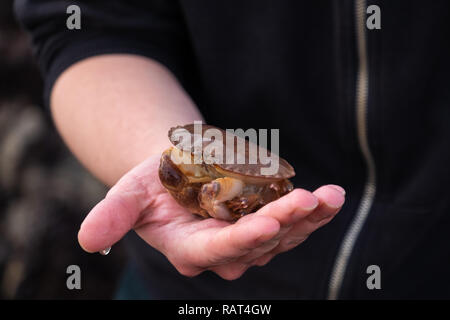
point(192, 244)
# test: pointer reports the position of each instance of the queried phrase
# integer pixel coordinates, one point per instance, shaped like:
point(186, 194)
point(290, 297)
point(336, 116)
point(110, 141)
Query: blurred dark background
point(44, 192)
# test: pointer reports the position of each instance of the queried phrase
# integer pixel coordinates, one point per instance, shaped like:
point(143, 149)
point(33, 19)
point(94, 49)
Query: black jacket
point(303, 67)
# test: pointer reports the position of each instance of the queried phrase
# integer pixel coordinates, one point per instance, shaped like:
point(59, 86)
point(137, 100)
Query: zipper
point(362, 92)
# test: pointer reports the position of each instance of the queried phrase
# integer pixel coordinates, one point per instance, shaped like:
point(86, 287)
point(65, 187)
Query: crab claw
point(213, 195)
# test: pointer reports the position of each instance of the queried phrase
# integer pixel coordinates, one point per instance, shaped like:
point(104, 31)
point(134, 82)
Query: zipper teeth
point(362, 90)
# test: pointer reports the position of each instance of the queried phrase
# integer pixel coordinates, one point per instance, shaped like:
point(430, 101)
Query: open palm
point(193, 244)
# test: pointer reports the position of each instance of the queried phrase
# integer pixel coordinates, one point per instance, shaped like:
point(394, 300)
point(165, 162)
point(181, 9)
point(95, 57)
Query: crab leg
point(213, 195)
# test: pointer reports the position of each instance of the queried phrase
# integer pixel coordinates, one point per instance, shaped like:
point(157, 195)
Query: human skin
point(114, 112)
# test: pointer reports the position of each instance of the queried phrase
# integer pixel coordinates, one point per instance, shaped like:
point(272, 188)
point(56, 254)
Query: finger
point(331, 200)
point(264, 259)
point(230, 271)
point(117, 214)
point(290, 208)
point(212, 247)
point(255, 254)
point(107, 223)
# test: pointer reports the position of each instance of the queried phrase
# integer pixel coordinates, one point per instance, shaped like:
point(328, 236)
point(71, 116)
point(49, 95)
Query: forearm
point(113, 111)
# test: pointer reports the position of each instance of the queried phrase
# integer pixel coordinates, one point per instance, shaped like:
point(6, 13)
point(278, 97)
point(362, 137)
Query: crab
point(225, 191)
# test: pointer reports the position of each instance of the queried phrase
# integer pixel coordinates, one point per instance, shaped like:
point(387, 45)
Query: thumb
point(119, 212)
point(108, 222)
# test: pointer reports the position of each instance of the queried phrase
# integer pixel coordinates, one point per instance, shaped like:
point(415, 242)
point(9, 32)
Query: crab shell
point(212, 188)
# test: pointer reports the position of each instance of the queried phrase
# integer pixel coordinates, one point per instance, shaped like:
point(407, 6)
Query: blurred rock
point(44, 191)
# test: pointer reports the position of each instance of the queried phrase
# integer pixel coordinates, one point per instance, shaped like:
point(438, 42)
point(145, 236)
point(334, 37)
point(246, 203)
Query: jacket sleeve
point(152, 28)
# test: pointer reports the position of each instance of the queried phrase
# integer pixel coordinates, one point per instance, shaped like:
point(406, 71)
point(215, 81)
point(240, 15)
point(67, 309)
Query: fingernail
point(269, 234)
point(338, 188)
point(337, 202)
point(296, 242)
point(311, 204)
point(309, 207)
